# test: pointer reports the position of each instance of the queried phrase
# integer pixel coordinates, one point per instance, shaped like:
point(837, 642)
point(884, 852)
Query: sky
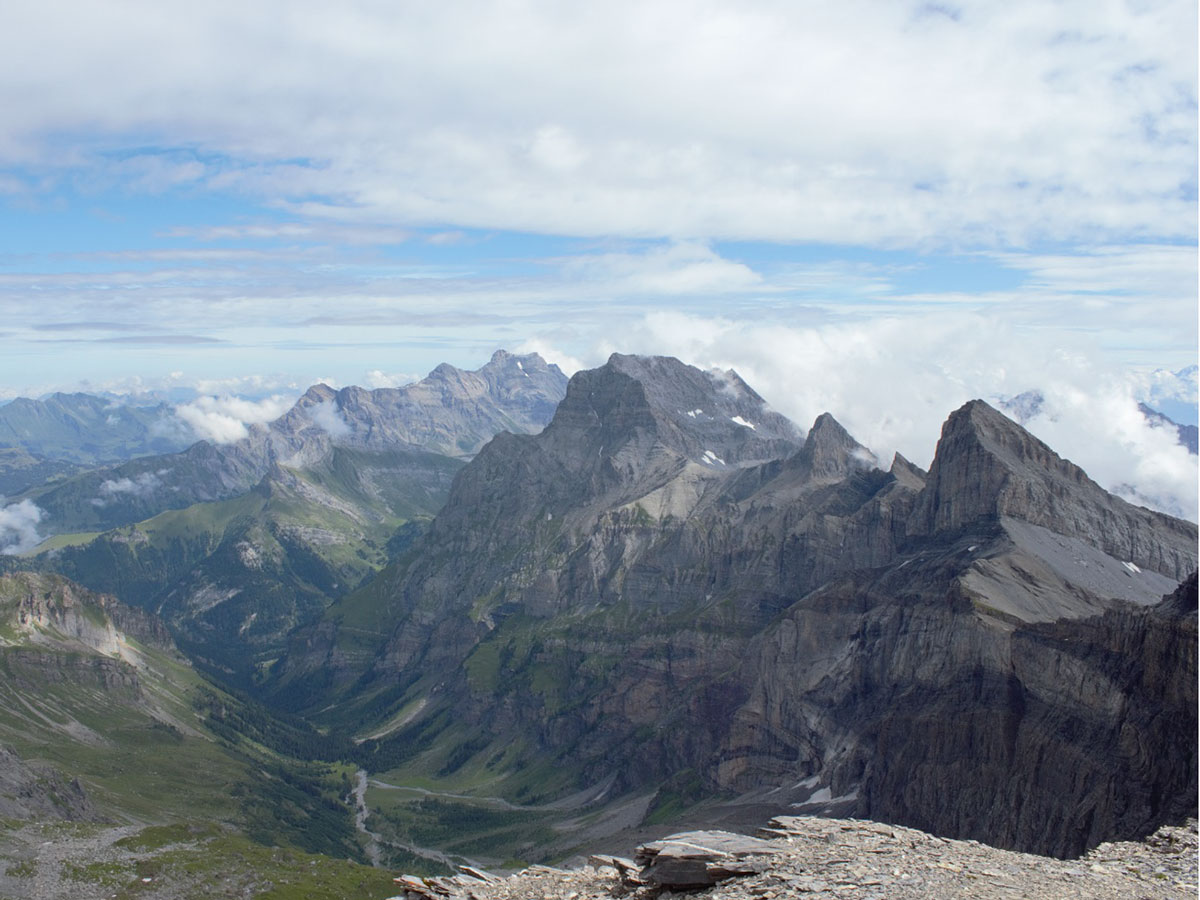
point(879, 209)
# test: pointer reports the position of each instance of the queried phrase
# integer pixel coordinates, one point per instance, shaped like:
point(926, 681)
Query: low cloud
point(143, 485)
point(18, 527)
point(224, 420)
point(327, 416)
point(567, 363)
point(377, 378)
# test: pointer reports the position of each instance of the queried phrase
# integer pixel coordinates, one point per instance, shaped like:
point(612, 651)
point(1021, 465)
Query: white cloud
point(143, 485)
point(18, 527)
point(680, 268)
point(568, 364)
point(892, 381)
point(328, 417)
point(864, 121)
point(377, 378)
point(223, 420)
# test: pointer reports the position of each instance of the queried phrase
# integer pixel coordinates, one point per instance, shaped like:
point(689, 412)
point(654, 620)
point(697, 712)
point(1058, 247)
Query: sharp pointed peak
point(830, 452)
point(906, 472)
point(826, 430)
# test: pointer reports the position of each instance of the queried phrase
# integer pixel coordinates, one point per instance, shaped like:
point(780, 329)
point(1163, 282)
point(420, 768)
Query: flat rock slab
point(813, 858)
point(696, 859)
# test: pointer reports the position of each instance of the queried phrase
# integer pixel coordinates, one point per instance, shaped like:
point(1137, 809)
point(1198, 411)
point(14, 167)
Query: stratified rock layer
point(665, 588)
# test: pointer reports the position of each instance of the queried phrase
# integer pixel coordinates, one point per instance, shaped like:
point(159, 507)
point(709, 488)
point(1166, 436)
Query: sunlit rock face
point(669, 580)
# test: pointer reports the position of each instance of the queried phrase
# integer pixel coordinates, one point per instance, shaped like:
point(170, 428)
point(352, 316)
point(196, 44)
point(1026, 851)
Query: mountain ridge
point(605, 594)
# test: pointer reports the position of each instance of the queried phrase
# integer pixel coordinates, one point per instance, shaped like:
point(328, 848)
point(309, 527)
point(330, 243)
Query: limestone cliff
point(666, 581)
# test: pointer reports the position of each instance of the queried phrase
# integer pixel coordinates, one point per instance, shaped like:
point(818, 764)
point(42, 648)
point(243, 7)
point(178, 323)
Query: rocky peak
point(908, 473)
point(712, 418)
point(829, 452)
point(987, 467)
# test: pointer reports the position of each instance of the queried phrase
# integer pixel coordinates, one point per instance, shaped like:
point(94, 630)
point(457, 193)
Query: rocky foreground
point(827, 858)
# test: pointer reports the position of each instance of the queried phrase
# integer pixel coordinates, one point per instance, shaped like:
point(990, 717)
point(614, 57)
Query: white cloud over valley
point(142, 485)
point(18, 527)
point(224, 420)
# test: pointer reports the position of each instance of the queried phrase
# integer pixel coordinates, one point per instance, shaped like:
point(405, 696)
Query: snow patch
point(1132, 568)
point(712, 458)
point(738, 420)
point(695, 412)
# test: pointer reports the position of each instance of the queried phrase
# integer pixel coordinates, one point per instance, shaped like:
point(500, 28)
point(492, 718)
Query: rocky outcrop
point(828, 858)
point(31, 791)
point(48, 610)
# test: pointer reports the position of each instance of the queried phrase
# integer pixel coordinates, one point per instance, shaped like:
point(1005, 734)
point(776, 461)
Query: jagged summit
point(907, 473)
point(829, 452)
point(710, 418)
point(450, 411)
point(987, 468)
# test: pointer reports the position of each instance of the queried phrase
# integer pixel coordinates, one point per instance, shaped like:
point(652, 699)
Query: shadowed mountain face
point(666, 580)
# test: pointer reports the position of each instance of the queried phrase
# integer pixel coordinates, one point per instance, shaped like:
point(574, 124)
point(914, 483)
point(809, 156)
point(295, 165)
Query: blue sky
point(949, 200)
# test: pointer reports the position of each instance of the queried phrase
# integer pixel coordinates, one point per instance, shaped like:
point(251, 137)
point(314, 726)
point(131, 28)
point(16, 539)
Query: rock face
point(667, 588)
point(30, 791)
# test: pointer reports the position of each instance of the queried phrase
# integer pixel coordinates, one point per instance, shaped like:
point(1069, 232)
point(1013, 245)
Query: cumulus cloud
point(861, 121)
point(551, 354)
point(224, 420)
point(377, 378)
point(18, 527)
point(143, 485)
point(892, 381)
point(328, 417)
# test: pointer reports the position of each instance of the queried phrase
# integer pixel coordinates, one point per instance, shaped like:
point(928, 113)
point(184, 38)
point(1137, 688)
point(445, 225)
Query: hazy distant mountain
point(83, 429)
point(274, 528)
point(666, 590)
point(56, 436)
point(450, 412)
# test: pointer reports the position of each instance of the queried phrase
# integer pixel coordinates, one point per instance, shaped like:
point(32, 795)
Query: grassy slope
point(234, 576)
point(155, 746)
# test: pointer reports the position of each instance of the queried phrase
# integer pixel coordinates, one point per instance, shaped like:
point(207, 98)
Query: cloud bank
point(868, 121)
point(143, 485)
point(18, 527)
point(224, 420)
point(328, 417)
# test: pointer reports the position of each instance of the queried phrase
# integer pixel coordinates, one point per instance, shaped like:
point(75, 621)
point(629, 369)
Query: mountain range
point(537, 613)
point(235, 545)
point(669, 580)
